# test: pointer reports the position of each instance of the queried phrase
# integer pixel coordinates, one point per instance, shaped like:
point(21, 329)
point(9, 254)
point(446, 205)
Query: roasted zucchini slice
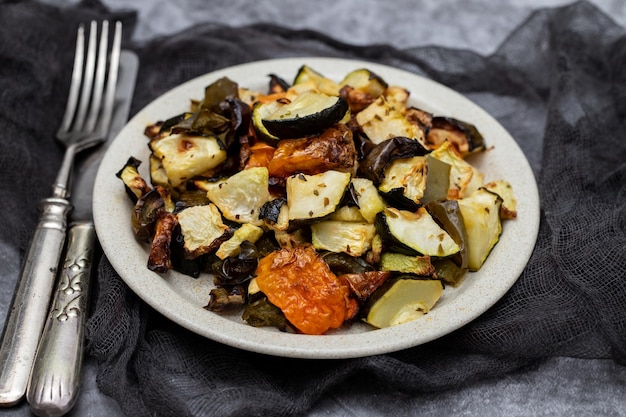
point(402, 301)
point(309, 113)
point(353, 238)
point(185, 156)
point(241, 196)
point(369, 201)
point(315, 196)
point(407, 178)
point(481, 216)
point(509, 202)
point(398, 262)
point(414, 232)
point(366, 81)
point(307, 75)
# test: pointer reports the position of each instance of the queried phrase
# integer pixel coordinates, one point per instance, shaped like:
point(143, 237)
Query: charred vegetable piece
point(134, 183)
point(353, 238)
point(379, 157)
point(218, 92)
point(308, 114)
point(509, 202)
point(397, 262)
point(145, 214)
point(342, 263)
point(381, 121)
point(236, 269)
point(300, 283)
point(448, 214)
point(190, 267)
point(183, 156)
point(202, 229)
point(414, 232)
point(277, 84)
point(405, 181)
point(365, 80)
point(404, 301)
point(315, 196)
point(364, 284)
point(222, 299)
point(481, 216)
point(262, 313)
point(464, 136)
point(240, 196)
point(159, 259)
point(333, 149)
point(307, 75)
point(191, 198)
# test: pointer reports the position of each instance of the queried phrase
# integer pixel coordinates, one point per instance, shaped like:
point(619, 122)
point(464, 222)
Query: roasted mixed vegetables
point(317, 203)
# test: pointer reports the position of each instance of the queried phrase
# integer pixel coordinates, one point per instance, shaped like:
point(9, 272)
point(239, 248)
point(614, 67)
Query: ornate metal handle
point(55, 378)
point(29, 307)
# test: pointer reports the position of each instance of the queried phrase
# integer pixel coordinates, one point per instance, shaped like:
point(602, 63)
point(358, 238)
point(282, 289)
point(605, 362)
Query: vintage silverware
point(85, 124)
point(55, 378)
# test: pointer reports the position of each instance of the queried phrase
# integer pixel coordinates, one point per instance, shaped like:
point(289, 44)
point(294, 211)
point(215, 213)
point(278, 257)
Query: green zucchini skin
point(309, 119)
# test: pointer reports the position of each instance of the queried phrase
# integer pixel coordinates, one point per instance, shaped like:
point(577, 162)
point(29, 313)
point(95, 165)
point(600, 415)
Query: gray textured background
point(557, 387)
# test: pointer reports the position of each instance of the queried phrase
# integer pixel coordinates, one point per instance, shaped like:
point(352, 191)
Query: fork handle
point(29, 307)
point(55, 378)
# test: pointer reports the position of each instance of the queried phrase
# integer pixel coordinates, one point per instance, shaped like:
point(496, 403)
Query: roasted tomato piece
point(333, 149)
point(301, 284)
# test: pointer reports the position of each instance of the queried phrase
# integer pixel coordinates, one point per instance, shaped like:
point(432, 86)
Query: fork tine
point(109, 99)
point(77, 76)
point(98, 86)
point(89, 75)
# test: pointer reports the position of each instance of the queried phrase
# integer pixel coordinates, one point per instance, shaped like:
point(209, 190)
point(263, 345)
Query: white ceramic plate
point(181, 298)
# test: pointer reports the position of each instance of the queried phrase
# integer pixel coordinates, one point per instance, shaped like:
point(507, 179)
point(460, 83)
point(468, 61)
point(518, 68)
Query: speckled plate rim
point(181, 298)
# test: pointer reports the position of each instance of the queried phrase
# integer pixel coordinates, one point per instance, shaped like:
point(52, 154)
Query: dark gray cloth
point(558, 84)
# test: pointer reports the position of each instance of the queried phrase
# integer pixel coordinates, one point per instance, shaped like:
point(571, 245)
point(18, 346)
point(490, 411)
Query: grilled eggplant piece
point(145, 213)
point(159, 259)
point(381, 121)
point(353, 238)
point(481, 216)
point(332, 150)
point(240, 196)
point(308, 114)
point(315, 196)
point(402, 301)
point(222, 299)
point(464, 136)
point(380, 156)
point(414, 233)
point(184, 156)
point(203, 229)
point(134, 183)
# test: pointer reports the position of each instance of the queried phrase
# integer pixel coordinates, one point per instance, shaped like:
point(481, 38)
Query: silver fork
point(85, 124)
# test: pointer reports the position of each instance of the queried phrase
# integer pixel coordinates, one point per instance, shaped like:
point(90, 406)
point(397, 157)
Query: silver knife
point(55, 377)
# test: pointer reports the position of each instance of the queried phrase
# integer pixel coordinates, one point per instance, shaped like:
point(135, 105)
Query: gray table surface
point(558, 386)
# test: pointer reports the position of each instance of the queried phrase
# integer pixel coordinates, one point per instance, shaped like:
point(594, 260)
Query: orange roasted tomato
point(300, 283)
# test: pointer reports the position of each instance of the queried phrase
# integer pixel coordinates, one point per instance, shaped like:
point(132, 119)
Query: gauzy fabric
point(557, 84)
